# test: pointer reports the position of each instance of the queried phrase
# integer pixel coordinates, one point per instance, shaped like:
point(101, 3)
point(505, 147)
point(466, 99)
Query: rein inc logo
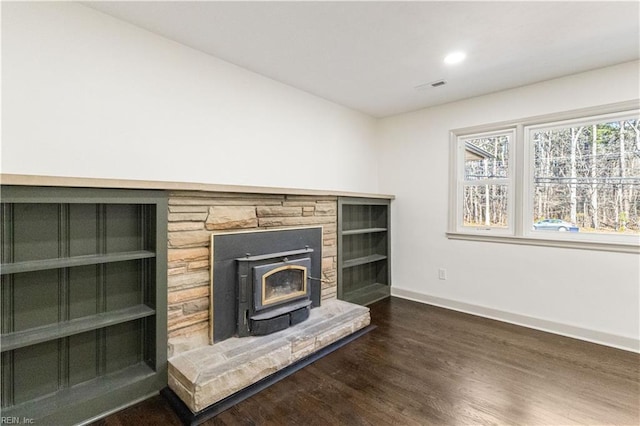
point(16, 421)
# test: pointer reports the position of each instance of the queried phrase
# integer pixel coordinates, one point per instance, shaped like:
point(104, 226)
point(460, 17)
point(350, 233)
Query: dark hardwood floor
point(426, 365)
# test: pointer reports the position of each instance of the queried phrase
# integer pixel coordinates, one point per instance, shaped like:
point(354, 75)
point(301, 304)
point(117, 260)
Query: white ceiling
point(370, 56)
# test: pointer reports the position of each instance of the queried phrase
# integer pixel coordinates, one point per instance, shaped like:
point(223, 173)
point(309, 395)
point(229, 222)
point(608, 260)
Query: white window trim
point(521, 203)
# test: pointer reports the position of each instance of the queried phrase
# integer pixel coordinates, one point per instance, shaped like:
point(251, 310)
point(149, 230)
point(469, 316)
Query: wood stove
point(264, 280)
point(274, 291)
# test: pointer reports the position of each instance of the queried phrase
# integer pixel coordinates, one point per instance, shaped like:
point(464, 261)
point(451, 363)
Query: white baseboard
point(599, 337)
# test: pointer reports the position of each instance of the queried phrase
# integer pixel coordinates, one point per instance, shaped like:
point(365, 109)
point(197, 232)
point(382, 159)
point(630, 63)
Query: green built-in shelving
point(84, 298)
point(363, 250)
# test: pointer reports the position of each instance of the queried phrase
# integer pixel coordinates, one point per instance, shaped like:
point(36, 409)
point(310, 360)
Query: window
point(486, 182)
point(567, 180)
point(586, 174)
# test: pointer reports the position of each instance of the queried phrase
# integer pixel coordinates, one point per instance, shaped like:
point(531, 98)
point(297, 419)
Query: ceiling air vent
point(436, 83)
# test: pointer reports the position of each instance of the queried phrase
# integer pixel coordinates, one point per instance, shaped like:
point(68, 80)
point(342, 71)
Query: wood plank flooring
point(425, 365)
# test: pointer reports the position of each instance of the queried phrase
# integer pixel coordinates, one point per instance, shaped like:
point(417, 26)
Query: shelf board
point(363, 260)
point(79, 182)
point(363, 231)
point(368, 294)
point(19, 339)
point(68, 262)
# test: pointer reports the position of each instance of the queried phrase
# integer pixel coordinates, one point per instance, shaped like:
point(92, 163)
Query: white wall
point(590, 294)
point(86, 95)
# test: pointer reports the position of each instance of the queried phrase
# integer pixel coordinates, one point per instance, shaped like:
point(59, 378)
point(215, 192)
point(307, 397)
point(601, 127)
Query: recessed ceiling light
point(454, 58)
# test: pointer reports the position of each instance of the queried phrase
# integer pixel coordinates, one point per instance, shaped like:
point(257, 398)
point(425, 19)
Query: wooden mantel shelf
point(75, 182)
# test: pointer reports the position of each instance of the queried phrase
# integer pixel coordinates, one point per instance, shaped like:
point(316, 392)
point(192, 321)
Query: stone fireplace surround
point(194, 216)
point(205, 374)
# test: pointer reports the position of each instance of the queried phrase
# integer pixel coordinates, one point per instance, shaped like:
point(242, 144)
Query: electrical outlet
point(442, 274)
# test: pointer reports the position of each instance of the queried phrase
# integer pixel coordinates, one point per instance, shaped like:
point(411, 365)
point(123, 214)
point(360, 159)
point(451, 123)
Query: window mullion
point(520, 197)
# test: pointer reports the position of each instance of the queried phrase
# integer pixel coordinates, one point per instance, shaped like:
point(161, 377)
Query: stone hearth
point(203, 376)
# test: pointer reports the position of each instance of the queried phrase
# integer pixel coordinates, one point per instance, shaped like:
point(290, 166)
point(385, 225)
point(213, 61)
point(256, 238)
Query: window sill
point(580, 245)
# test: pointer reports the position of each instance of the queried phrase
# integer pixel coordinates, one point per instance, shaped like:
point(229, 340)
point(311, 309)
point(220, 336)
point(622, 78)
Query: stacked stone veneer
point(194, 216)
